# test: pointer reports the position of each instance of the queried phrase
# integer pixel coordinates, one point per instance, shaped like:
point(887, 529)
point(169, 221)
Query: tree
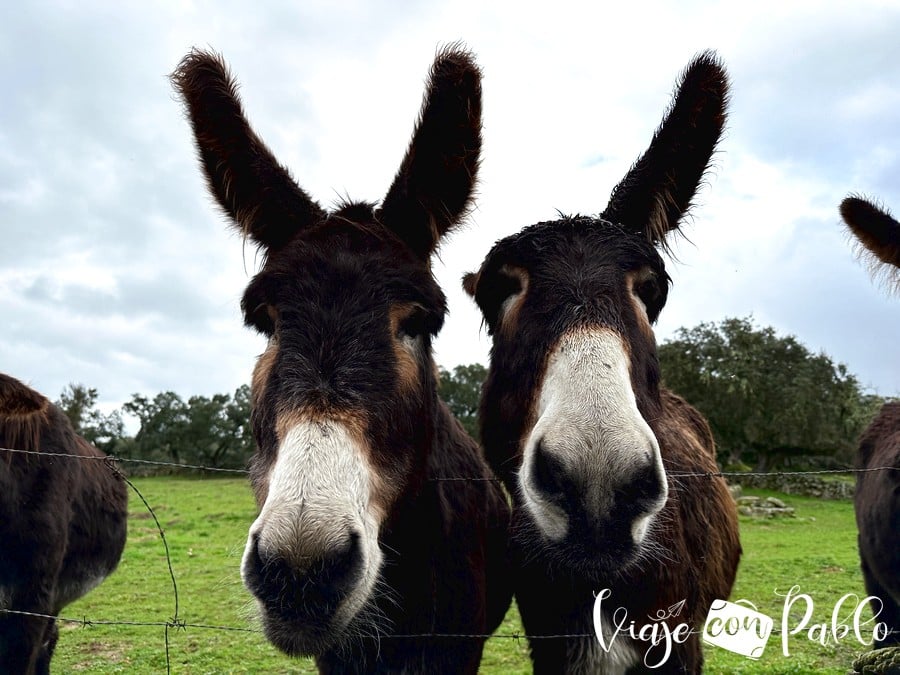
point(462, 392)
point(78, 402)
point(163, 420)
point(212, 431)
point(764, 395)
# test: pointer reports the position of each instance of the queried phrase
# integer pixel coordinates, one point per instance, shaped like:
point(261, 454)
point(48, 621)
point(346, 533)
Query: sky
point(117, 271)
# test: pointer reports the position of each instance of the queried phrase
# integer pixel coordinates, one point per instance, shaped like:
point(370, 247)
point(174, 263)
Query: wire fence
point(176, 623)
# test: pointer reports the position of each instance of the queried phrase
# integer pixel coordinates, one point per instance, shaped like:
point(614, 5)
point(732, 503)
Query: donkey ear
point(470, 283)
point(875, 228)
point(878, 234)
point(435, 182)
point(256, 192)
point(657, 191)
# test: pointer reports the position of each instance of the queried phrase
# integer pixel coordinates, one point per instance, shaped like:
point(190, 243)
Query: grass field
point(206, 523)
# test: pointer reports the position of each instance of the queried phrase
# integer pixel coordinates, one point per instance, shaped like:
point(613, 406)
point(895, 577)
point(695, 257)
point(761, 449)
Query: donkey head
point(570, 403)
point(878, 234)
point(344, 394)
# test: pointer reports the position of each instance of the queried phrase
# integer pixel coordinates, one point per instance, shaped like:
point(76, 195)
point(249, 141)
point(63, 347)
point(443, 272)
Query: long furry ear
point(470, 283)
point(879, 236)
point(256, 192)
point(436, 179)
point(657, 191)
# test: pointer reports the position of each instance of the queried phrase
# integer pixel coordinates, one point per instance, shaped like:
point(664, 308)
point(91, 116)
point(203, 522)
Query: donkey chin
point(310, 600)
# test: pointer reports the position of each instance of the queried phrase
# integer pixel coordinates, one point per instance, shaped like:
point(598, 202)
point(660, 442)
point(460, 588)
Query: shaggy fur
point(581, 274)
point(350, 305)
point(62, 523)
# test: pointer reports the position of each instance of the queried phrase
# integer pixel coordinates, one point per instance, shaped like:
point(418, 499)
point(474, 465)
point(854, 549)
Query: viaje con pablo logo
point(739, 627)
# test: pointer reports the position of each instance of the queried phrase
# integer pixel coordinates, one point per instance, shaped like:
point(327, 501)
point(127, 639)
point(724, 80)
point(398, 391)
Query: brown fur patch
point(261, 371)
point(631, 279)
point(407, 365)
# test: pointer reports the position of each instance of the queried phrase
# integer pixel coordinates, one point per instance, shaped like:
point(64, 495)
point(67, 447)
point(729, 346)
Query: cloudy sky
point(117, 272)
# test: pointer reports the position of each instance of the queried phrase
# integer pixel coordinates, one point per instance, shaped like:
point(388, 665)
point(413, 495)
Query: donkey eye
point(263, 318)
point(507, 285)
point(648, 292)
point(412, 326)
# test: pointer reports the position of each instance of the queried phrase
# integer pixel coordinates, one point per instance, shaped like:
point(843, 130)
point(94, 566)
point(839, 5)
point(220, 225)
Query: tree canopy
point(79, 402)
point(212, 432)
point(767, 397)
point(461, 390)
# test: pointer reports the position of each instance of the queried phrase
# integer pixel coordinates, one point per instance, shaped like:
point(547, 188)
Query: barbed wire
point(185, 625)
point(673, 474)
point(178, 624)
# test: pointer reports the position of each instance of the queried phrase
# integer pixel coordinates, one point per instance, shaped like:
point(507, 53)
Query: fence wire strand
point(673, 474)
point(175, 622)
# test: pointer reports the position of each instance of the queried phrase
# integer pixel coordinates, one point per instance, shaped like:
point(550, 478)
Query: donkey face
point(344, 394)
point(573, 391)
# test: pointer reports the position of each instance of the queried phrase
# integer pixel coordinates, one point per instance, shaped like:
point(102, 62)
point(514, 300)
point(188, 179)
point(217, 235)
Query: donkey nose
point(301, 589)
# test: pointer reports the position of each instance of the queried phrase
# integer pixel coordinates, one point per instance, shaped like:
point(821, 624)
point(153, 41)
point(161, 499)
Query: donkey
point(370, 552)
point(576, 424)
point(62, 524)
point(877, 496)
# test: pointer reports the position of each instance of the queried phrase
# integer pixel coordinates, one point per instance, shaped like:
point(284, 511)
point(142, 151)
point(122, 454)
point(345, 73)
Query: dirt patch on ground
point(95, 653)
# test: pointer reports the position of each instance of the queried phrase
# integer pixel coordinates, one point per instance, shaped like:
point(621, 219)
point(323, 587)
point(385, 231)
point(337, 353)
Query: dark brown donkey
point(575, 422)
point(877, 497)
point(62, 523)
point(366, 536)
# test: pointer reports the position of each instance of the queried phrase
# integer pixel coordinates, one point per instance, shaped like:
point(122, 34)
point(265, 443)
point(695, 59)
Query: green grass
point(206, 523)
point(817, 551)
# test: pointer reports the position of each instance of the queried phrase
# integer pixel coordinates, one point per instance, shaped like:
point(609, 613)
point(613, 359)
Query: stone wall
point(797, 484)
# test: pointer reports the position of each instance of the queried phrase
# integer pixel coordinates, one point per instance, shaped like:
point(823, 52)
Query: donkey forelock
point(344, 397)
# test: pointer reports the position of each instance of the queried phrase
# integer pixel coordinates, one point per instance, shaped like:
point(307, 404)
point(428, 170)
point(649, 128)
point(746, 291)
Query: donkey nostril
point(644, 490)
point(548, 472)
point(255, 563)
point(340, 565)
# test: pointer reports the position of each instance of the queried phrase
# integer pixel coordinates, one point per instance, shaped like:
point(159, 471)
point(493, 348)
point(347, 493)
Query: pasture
point(206, 521)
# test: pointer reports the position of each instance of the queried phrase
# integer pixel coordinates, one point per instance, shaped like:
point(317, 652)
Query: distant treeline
point(769, 400)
